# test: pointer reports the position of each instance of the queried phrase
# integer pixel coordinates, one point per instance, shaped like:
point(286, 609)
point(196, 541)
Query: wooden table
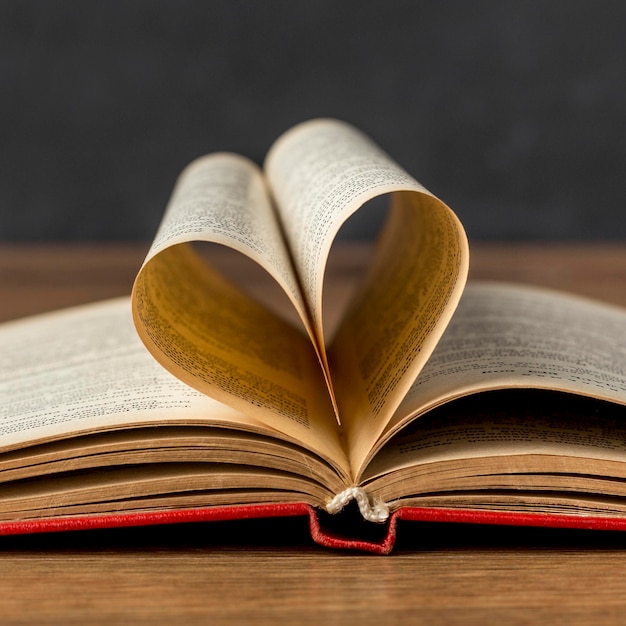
point(271, 572)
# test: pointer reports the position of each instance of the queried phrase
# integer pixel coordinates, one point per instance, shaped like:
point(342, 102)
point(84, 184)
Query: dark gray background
point(512, 112)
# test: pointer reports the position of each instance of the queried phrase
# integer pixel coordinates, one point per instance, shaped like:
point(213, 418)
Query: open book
point(425, 399)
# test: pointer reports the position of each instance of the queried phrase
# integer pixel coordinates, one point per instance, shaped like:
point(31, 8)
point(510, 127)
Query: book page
point(509, 423)
point(321, 172)
point(212, 335)
point(396, 321)
point(170, 442)
point(84, 370)
point(215, 338)
point(222, 198)
point(505, 336)
point(155, 486)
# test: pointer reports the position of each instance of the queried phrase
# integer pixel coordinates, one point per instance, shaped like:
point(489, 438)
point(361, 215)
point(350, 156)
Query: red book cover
point(323, 534)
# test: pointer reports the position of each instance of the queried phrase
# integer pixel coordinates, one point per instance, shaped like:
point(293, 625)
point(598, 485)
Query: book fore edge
point(373, 510)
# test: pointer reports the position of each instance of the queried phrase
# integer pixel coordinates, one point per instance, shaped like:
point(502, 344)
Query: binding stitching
point(373, 511)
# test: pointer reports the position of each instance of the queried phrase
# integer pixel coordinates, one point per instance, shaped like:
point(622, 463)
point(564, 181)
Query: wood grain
point(269, 572)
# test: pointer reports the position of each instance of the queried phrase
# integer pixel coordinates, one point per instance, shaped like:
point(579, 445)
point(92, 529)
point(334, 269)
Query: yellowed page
point(210, 334)
point(509, 424)
point(84, 370)
point(396, 321)
point(222, 198)
point(170, 442)
point(216, 339)
point(320, 173)
point(155, 486)
point(505, 336)
point(207, 333)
